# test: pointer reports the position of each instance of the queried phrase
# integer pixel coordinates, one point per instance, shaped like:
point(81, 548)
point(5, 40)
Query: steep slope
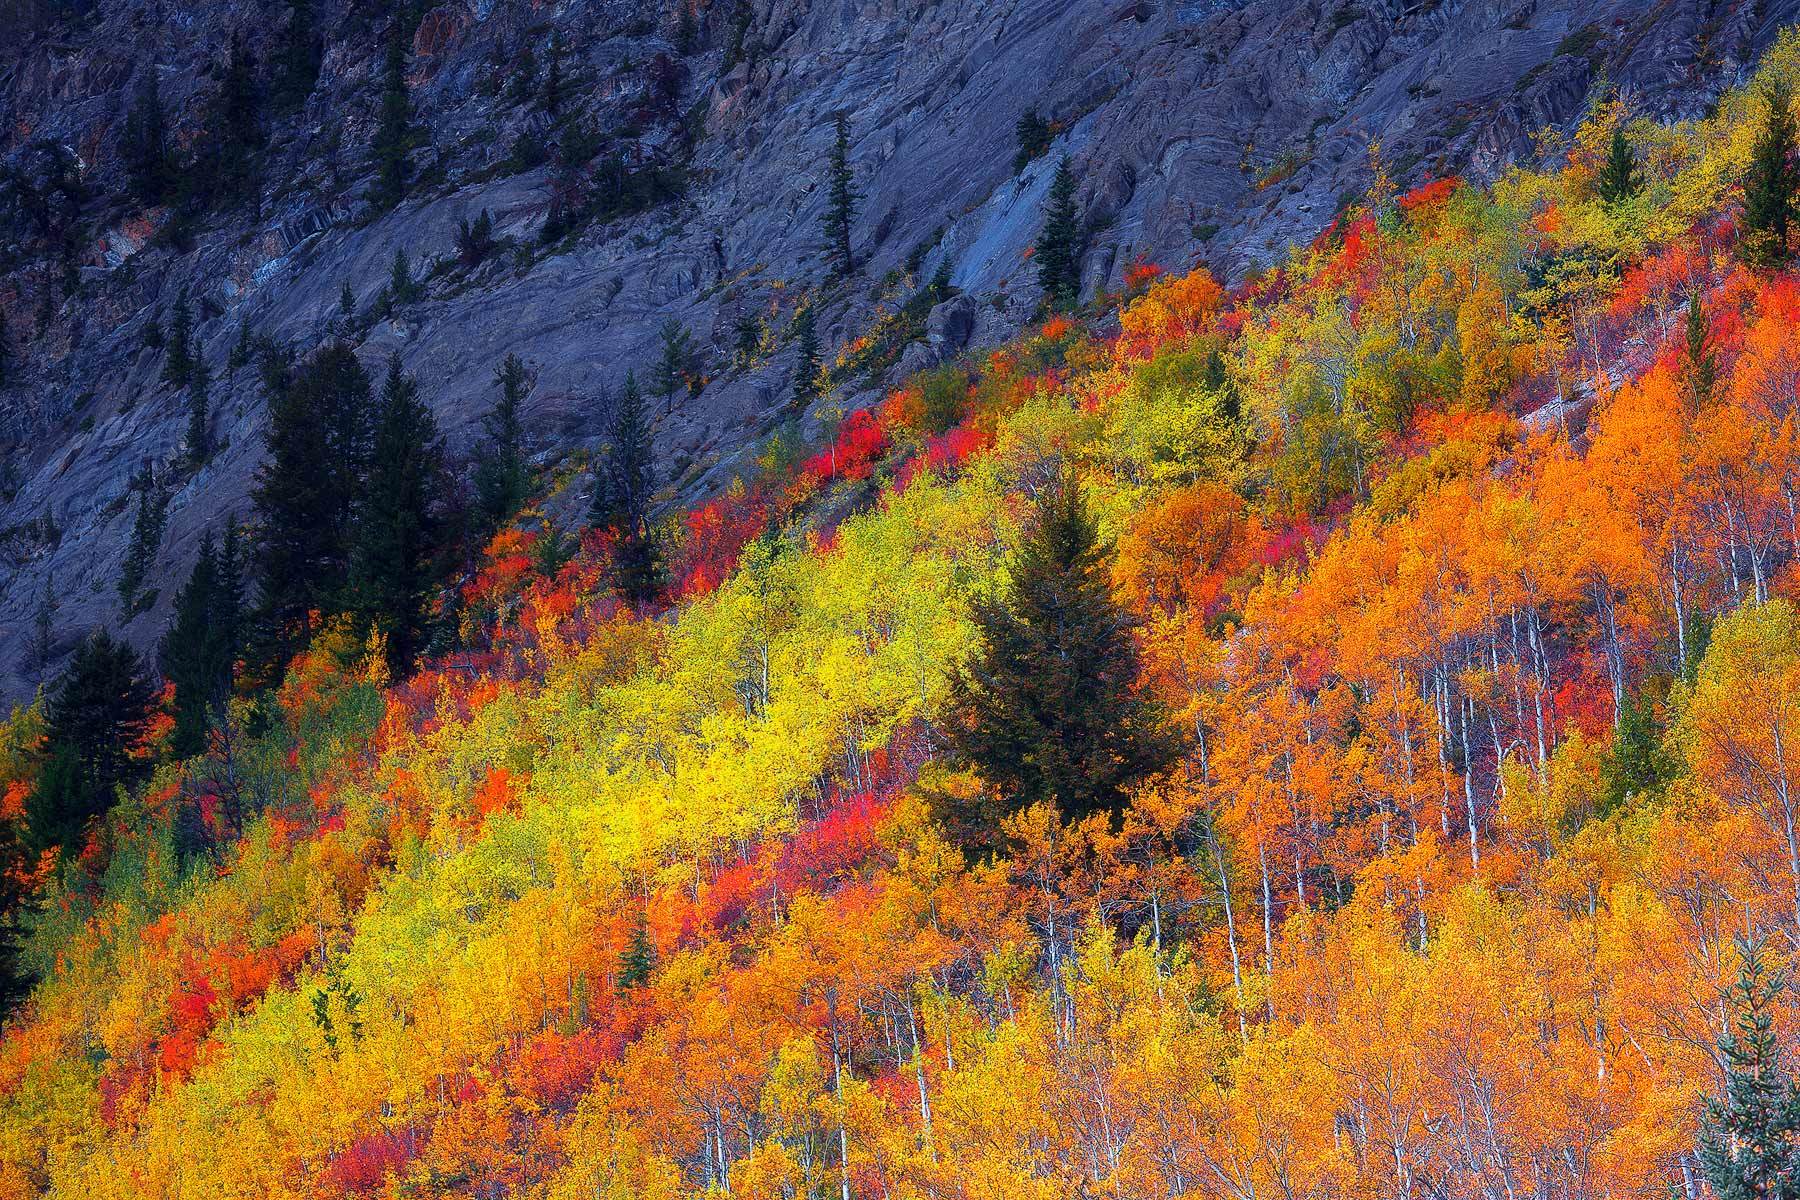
point(1216, 132)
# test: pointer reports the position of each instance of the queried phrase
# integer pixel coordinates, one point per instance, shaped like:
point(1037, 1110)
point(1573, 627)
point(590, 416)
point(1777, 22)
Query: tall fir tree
point(1058, 250)
point(145, 145)
point(806, 356)
point(1773, 179)
point(391, 577)
point(198, 652)
point(178, 353)
point(298, 54)
point(93, 723)
point(1049, 710)
point(306, 493)
point(17, 869)
point(1750, 1138)
point(841, 198)
point(1700, 364)
point(145, 543)
point(6, 350)
point(638, 961)
point(393, 135)
point(502, 478)
point(238, 123)
point(624, 487)
point(1620, 178)
point(553, 75)
point(674, 363)
point(199, 435)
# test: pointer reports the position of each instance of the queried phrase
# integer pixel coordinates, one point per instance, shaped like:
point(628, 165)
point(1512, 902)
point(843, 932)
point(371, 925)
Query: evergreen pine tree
point(553, 81)
point(394, 132)
point(178, 357)
point(624, 485)
point(1770, 186)
point(687, 33)
point(199, 438)
point(639, 959)
point(17, 866)
point(1619, 178)
point(93, 722)
point(5, 350)
point(402, 287)
point(806, 356)
point(672, 367)
point(390, 574)
point(1033, 135)
point(43, 627)
point(840, 210)
point(502, 480)
point(1699, 363)
point(297, 58)
point(146, 541)
point(1049, 709)
point(242, 350)
point(145, 144)
point(1750, 1138)
point(306, 492)
point(237, 123)
point(1058, 251)
point(197, 652)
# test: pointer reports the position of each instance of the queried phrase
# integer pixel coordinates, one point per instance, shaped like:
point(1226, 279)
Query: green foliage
point(146, 541)
point(402, 288)
point(1049, 708)
point(397, 525)
point(199, 436)
point(1636, 763)
point(178, 361)
point(840, 208)
point(943, 398)
point(237, 125)
point(1619, 179)
point(297, 57)
point(1750, 1139)
point(1773, 179)
point(6, 350)
point(1058, 251)
point(474, 242)
point(675, 362)
point(393, 135)
point(1700, 364)
point(639, 959)
point(145, 145)
point(502, 478)
point(198, 654)
point(306, 492)
point(807, 367)
point(93, 723)
point(1034, 136)
point(553, 80)
point(624, 487)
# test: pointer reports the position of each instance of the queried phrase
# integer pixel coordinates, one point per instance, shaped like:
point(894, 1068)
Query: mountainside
point(1215, 133)
point(1317, 724)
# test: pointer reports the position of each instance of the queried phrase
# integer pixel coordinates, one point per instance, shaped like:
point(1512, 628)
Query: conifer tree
point(553, 80)
point(178, 357)
point(624, 485)
point(672, 367)
point(1700, 365)
point(639, 959)
point(297, 60)
point(840, 210)
point(1033, 135)
point(806, 356)
point(17, 867)
point(1619, 177)
point(1049, 709)
point(502, 480)
point(394, 133)
point(1773, 179)
point(1750, 1138)
point(6, 350)
point(238, 123)
point(306, 492)
point(687, 33)
point(145, 144)
point(1058, 251)
point(391, 576)
point(402, 287)
point(146, 541)
point(199, 437)
point(242, 350)
point(197, 653)
point(93, 722)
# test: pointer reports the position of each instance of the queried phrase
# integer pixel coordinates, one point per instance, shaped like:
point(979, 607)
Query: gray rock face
point(1203, 131)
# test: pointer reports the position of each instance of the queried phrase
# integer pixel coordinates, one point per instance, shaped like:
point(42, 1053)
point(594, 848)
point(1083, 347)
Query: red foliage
point(366, 1163)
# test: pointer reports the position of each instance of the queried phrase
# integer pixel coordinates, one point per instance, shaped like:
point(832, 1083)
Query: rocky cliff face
point(1202, 131)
